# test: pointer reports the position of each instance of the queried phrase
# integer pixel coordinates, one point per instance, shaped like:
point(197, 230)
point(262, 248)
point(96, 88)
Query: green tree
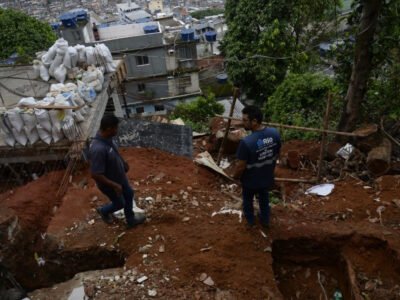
point(23, 35)
point(207, 12)
point(369, 67)
point(198, 113)
point(265, 39)
point(301, 100)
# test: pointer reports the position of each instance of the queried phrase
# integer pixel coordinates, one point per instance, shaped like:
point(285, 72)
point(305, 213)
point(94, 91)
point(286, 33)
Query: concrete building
point(155, 6)
point(160, 69)
point(130, 12)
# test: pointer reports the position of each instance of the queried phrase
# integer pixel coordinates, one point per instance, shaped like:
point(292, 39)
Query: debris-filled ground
point(345, 242)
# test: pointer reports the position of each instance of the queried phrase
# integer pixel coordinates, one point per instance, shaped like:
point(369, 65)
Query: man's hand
point(118, 189)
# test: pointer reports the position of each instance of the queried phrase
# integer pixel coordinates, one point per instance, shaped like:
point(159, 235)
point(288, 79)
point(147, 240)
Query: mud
point(341, 237)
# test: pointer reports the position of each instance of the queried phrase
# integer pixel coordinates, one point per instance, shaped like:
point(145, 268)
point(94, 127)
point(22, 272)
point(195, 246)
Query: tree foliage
point(381, 95)
point(207, 12)
point(267, 38)
point(23, 35)
point(301, 100)
point(197, 113)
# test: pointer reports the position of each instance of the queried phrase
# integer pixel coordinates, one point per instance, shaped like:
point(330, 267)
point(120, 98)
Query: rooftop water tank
point(211, 36)
point(150, 29)
point(187, 34)
point(222, 78)
point(55, 26)
point(68, 19)
point(81, 14)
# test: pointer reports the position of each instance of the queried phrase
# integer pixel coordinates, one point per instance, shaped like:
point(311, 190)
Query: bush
point(197, 113)
point(300, 100)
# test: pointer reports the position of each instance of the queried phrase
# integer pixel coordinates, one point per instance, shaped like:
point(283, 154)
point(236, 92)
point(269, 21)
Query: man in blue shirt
point(109, 169)
point(257, 154)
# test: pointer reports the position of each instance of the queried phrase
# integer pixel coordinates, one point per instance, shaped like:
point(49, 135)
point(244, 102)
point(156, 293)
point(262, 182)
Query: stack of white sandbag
point(94, 78)
point(62, 60)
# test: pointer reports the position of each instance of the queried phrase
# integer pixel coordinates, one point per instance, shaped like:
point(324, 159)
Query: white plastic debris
point(152, 293)
point(321, 189)
point(230, 211)
point(142, 279)
point(77, 293)
point(345, 151)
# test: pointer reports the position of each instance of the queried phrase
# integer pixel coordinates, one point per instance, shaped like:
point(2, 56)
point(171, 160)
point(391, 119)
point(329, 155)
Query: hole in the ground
point(306, 269)
point(357, 266)
point(59, 266)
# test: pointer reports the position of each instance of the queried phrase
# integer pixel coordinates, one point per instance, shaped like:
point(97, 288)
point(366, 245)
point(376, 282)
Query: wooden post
point(228, 125)
point(323, 137)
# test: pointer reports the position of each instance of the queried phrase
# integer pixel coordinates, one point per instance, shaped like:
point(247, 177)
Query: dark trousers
point(263, 200)
point(124, 201)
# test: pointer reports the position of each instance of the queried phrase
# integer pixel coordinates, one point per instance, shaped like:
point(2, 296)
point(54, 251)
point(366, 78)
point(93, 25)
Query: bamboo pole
point(228, 125)
point(303, 128)
point(324, 136)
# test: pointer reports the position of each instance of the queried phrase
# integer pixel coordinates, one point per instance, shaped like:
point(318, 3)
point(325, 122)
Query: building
point(160, 68)
point(155, 6)
point(130, 12)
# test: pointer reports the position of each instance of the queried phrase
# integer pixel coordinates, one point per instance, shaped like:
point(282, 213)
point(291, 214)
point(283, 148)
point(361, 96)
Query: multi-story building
point(160, 70)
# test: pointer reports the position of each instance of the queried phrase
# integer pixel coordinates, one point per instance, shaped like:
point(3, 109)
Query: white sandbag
point(44, 135)
point(30, 120)
point(14, 117)
point(105, 53)
point(56, 63)
point(83, 111)
point(32, 135)
point(45, 101)
point(96, 85)
point(8, 138)
point(68, 128)
point(61, 45)
point(73, 54)
point(56, 116)
point(71, 87)
point(100, 75)
point(20, 136)
point(81, 53)
point(57, 87)
point(43, 119)
point(78, 117)
point(29, 101)
point(78, 99)
point(57, 134)
point(102, 69)
point(48, 58)
point(110, 67)
point(89, 76)
point(90, 56)
point(86, 92)
point(67, 61)
point(60, 73)
point(44, 73)
point(36, 69)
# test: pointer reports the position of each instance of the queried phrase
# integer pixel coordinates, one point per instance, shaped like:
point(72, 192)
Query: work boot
point(106, 218)
point(137, 219)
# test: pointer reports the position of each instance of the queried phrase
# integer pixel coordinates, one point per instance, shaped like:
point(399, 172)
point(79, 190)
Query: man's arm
point(238, 169)
point(104, 180)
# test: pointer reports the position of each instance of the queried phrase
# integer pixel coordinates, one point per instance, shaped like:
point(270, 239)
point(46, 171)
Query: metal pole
point(228, 125)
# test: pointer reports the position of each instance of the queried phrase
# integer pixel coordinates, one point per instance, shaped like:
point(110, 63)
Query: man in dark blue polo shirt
point(109, 169)
point(257, 154)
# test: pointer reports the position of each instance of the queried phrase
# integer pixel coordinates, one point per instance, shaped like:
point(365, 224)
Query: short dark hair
point(108, 121)
point(254, 112)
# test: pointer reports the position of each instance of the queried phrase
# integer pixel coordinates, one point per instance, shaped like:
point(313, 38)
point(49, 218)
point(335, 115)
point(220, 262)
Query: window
point(142, 60)
point(140, 110)
point(159, 107)
point(185, 81)
point(141, 87)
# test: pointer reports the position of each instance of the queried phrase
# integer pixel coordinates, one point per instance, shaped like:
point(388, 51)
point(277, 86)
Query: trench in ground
point(309, 269)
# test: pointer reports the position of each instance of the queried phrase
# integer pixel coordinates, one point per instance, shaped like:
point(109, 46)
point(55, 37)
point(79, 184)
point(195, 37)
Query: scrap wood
point(355, 133)
point(206, 159)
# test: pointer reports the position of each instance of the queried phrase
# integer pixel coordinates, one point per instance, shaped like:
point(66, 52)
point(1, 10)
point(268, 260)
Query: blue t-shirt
point(106, 160)
point(260, 150)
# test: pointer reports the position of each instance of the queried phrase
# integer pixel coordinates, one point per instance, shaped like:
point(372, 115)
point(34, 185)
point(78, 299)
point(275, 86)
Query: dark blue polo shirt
point(106, 160)
point(260, 150)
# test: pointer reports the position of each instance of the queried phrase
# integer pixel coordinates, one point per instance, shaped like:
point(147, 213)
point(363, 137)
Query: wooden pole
point(228, 125)
point(323, 137)
point(304, 128)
